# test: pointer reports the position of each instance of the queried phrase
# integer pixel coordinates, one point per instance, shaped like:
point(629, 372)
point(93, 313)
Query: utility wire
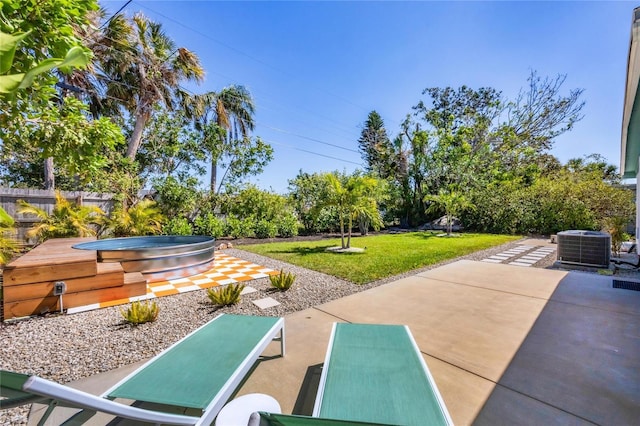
point(112, 16)
point(311, 152)
point(105, 77)
point(248, 55)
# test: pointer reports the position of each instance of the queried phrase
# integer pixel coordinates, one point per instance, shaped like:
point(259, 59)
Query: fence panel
point(46, 200)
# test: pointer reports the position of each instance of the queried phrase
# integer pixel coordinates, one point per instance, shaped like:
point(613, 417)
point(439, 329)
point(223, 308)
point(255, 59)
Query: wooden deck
point(29, 280)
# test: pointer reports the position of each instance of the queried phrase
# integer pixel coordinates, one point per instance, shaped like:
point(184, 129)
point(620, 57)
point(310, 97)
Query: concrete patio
point(505, 344)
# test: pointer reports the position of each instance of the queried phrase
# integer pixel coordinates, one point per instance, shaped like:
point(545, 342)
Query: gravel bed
point(66, 348)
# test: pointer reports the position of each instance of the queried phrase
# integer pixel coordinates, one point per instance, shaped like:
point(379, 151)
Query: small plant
point(226, 295)
point(283, 281)
point(139, 313)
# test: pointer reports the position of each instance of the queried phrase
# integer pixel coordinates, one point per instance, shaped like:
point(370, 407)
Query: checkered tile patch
point(522, 255)
point(226, 270)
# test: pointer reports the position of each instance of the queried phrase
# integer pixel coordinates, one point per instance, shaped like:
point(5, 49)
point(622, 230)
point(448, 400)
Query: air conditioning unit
point(587, 248)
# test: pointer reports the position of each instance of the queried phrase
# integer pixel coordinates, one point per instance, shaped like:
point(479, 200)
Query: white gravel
point(65, 348)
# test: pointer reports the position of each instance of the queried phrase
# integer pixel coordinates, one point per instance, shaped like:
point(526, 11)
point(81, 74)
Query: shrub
point(209, 225)
point(283, 281)
point(265, 229)
point(238, 228)
point(139, 313)
point(287, 225)
point(616, 227)
point(226, 295)
point(177, 226)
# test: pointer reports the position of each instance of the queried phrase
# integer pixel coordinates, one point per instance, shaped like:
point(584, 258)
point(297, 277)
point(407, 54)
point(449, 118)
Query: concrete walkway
point(505, 344)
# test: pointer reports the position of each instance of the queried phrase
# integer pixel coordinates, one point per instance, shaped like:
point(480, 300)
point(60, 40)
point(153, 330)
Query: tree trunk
point(342, 231)
point(214, 175)
point(136, 135)
point(363, 224)
point(349, 237)
point(49, 174)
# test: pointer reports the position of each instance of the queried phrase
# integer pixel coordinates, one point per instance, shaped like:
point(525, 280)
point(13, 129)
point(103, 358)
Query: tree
point(305, 192)
point(452, 201)
point(473, 138)
point(148, 71)
point(172, 147)
point(353, 196)
point(33, 112)
point(376, 148)
point(226, 118)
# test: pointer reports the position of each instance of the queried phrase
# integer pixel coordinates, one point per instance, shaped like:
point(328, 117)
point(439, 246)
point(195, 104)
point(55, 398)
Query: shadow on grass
point(425, 235)
point(303, 251)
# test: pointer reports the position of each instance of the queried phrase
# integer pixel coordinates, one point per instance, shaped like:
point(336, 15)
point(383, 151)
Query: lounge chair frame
point(43, 390)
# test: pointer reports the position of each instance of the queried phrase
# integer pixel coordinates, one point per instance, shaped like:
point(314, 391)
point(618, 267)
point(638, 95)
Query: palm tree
point(143, 218)
point(454, 202)
point(231, 110)
point(8, 246)
point(353, 197)
point(148, 71)
point(66, 220)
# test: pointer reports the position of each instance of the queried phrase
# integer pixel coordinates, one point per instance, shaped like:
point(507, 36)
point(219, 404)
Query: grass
point(385, 255)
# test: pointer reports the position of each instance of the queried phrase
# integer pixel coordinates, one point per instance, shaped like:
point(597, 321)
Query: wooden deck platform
point(29, 280)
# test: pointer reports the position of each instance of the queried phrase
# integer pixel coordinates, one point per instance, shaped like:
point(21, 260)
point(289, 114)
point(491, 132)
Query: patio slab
point(476, 329)
point(506, 407)
point(540, 283)
point(582, 359)
point(505, 345)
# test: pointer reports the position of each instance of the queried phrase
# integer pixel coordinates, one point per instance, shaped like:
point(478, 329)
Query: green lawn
point(385, 255)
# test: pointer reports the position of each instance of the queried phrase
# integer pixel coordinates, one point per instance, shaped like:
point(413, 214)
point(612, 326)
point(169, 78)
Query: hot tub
point(157, 257)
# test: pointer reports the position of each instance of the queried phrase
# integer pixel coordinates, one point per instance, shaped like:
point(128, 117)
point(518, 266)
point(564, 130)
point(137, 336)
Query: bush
point(209, 225)
point(226, 295)
point(143, 218)
point(283, 281)
point(265, 229)
point(177, 226)
point(139, 313)
point(287, 225)
point(238, 228)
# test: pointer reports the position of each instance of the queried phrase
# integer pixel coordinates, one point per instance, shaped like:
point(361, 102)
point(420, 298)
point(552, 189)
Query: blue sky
point(316, 69)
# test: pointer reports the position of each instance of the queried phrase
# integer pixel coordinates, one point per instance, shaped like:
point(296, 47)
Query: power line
point(312, 152)
point(309, 138)
point(112, 16)
point(248, 55)
point(191, 92)
point(105, 77)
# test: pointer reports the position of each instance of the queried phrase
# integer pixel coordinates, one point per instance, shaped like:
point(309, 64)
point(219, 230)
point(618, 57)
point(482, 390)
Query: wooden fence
point(46, 200)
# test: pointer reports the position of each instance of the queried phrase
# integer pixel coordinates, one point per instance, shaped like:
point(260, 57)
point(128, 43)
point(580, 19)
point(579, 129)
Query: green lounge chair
point(272, 419)
point(376, 373)
point(196, 375)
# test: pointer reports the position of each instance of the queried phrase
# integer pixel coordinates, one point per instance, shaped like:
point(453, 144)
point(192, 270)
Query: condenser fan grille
point(587, 248)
